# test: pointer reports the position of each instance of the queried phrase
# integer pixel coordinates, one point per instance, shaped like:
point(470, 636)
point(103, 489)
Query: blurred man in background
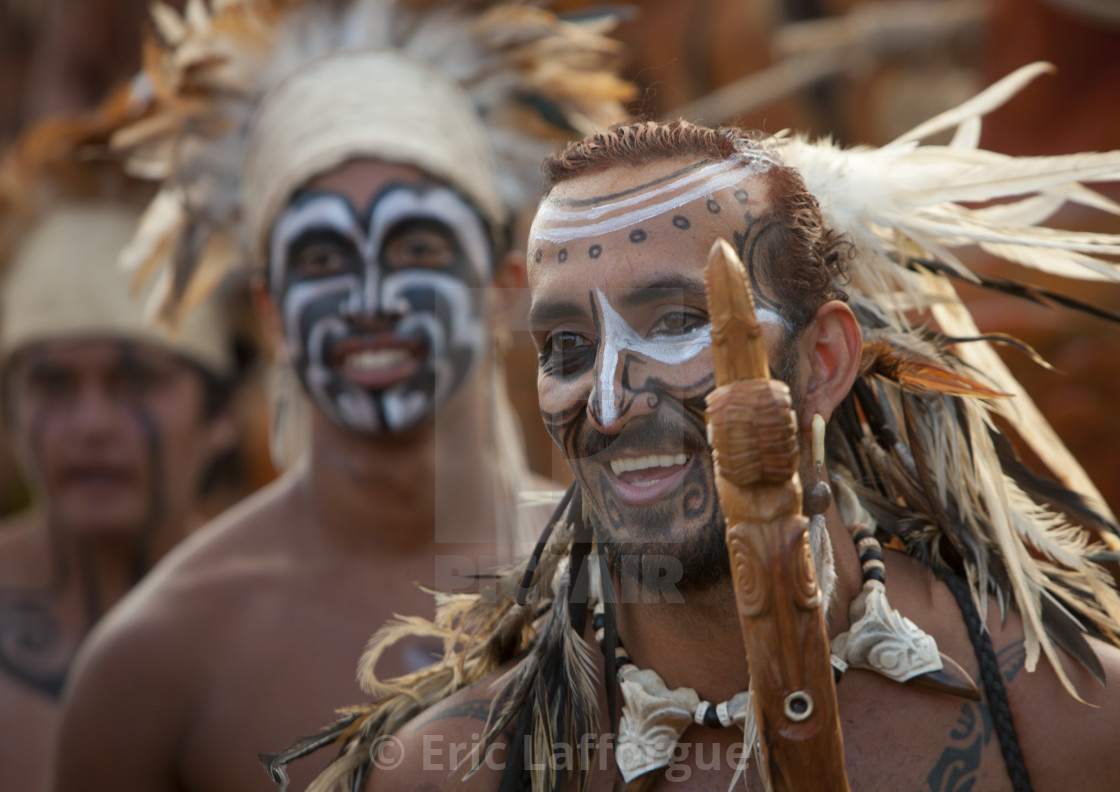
point(114, 424)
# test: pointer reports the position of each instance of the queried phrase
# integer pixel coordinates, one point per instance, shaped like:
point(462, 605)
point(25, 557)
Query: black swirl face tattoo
point(625, 361)
point(382, 308)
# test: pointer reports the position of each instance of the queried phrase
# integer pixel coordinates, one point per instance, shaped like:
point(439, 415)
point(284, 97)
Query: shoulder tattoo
point(957, 767)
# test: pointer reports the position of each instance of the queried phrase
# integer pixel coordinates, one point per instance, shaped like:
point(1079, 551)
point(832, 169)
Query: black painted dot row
point(638, 236)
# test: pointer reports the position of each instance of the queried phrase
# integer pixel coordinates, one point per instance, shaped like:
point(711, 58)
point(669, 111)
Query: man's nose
point(618, 393)
point(94, 411)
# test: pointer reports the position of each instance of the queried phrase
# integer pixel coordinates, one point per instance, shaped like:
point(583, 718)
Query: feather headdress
point(67, 207)
point(533, 78)
point(920, 444)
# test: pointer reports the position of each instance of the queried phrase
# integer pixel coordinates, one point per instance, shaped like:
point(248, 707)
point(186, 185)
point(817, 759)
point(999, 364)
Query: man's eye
point(566, 353)
point(51, 384)
point(423, 249)
point(320, 260)
point(678, 323)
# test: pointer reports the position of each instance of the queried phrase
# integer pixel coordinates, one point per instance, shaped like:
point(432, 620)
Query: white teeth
point(647, 462)
point(374, 359)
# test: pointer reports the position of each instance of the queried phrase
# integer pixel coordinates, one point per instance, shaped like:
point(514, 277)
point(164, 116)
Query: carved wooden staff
point(753, 432)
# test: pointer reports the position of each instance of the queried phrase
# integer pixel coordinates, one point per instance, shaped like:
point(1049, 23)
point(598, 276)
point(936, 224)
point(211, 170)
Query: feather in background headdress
point(918, 433)
point(534, 79)
point(66, 158)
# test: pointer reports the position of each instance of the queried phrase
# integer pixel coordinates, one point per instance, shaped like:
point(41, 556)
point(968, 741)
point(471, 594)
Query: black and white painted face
point(381, 302)
point(620, 317)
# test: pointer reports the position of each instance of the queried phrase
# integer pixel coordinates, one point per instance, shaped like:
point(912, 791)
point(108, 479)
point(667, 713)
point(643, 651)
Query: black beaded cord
point(992, 679)
point(598, 623)
point(870, 553)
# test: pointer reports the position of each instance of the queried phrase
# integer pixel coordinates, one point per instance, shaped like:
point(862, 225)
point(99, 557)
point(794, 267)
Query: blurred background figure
point(113, 424)
point(373, 194)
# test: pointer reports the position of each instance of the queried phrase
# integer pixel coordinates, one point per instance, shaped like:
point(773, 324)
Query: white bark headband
point(363, 104)
point(64, 281)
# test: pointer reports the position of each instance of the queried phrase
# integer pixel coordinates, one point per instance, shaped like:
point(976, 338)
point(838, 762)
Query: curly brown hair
point(809, 263)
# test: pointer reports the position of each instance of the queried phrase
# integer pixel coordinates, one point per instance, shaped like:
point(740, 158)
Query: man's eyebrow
point(544, 313)
point(691, 289)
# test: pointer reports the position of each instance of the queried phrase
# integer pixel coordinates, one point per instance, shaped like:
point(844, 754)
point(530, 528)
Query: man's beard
point(698, 561)
point(678, 544)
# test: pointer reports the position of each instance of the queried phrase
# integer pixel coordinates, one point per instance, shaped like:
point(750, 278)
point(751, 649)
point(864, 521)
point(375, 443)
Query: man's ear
point(510, 302)
point(833, 343)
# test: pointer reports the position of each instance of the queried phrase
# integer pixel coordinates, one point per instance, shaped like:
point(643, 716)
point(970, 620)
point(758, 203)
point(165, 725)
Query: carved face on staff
point(377, 272)
point(619, 316)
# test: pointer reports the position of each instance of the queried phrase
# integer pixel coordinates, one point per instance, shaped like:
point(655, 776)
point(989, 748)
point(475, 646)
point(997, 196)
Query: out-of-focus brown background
point(860, 71)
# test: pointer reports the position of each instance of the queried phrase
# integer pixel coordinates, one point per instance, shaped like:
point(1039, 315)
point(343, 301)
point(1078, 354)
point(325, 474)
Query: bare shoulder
point(139, 675)
point(437, 749)
point(186, 597)
point(1069, 737)
point(1068, 733)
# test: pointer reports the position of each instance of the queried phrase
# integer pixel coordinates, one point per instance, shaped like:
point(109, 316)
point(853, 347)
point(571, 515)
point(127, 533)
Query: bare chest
point(905, 741)
point(285, 666)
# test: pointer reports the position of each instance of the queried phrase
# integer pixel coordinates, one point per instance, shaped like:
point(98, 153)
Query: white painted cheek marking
point(329, 212)
point(353, 407)
point(299, 296)
point(358, 410)
point(441, 204)
point(404, 407)
point(467, 329)
point(619, 337)
point(318, 375)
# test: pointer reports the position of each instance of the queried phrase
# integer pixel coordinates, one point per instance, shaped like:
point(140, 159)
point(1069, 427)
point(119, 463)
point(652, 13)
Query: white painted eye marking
point(331, 212)
point(618, 337)
point(442, 205)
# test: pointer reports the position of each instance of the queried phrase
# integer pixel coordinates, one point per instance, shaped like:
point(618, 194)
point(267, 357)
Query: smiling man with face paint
point(624, 372)
point(382, 304)
point(637, 561)
point(114, 424)
point(375, 210)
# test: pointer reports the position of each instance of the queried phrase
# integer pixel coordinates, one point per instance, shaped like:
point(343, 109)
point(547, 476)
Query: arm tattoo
point(956, 768)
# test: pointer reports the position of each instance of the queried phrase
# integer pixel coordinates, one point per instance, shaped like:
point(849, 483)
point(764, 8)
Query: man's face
point(619, 316)
point(377, 271)
point(110, 434)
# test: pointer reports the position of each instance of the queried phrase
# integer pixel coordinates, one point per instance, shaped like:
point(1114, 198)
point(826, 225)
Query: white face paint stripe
point(353, 407)
point(317, 372)
point(555, 223)
point(618, 337)
point(441, 204)
point(453, 290)
point(599, 210)
point(297, 298)
point(326, 211)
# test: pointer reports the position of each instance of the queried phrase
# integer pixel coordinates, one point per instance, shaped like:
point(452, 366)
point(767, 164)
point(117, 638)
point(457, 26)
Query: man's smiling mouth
point(648, 479)
point(379, 361)
point(647, 470)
